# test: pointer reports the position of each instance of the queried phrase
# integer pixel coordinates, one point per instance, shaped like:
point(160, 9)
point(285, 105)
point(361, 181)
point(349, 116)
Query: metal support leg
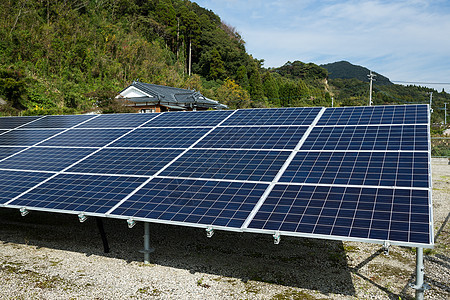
point(419, 273)
point(420, 286)
point(146, 243)
point(147, 250)
point(101, 229)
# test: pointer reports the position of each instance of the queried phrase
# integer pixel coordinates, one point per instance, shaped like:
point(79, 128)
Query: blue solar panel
point(118, 121)
point(80, 193)
point(228, 164)
point(14, 122)
point(85, 137)
point(362, 173)
point(189, 119)
point(7, 151)
point(364, 115)
point(216, 203)
point(126, 161)
point(385, 138)
point(161, 138)
point(45, 159)
point(366, 213)
point(14, 183)
point(26, 137)
point(58, 121)
point(406, 169)
point(279, 116)
point(253, 137)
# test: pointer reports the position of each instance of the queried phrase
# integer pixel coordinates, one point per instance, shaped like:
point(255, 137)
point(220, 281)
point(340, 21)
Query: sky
point(402, 40)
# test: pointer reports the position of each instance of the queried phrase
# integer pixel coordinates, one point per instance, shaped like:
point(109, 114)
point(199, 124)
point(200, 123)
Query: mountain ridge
point(346, 70)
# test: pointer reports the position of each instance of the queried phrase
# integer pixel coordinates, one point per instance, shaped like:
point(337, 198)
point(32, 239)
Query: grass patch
point(350, 248)
point(149, 291)
point(294, 295)
point(384, 270)
point(251, 287)
point(40, 280)
point(202, 284)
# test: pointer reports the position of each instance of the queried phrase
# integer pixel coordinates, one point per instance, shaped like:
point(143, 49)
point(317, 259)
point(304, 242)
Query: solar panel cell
point(190, 118)
point(14, 122)
point(79, 193)
point(13, 183)
point(126, 161)
point(45, 159)
point(365, 115)
point(354, 212)
point(58, 121)
point(118, 121)
point(85, 137)
point(26, 137)
point(359, 168)
point(216, 203)
point(280, 116)
point(253, 137)
point(7, 151)
point(385, 138)
point(228, 164)
point(161, 138)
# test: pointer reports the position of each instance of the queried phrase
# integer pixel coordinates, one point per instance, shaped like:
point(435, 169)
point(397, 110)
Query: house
point(158, 98)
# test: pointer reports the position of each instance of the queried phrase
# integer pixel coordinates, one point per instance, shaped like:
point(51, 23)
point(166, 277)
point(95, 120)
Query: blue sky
point(403, 40)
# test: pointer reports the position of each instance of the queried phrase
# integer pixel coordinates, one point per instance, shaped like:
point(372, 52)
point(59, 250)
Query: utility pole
point(190, 56)
point(332, 102)
point(178, 35)
point(431, 100)
point(371, 77)
point(445, 113)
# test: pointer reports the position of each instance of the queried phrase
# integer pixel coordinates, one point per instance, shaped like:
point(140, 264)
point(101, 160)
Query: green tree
point(216, 68)
point(13, 87)
point(270, 88)
point(231, 94)
point(242, 77)
point(256, 88)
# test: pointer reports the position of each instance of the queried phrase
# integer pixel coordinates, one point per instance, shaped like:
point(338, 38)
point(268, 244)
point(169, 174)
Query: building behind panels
point(158, 98)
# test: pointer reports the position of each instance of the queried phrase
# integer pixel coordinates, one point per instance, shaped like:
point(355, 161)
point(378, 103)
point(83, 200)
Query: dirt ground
point(53, 256)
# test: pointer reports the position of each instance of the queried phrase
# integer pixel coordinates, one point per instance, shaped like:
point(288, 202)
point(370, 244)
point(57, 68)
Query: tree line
point(72, 56)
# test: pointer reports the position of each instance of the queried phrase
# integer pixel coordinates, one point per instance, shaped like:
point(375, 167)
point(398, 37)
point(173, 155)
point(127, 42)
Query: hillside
point(73, 56)
point(346, 70)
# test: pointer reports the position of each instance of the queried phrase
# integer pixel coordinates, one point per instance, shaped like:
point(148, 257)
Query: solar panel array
point(353, 173)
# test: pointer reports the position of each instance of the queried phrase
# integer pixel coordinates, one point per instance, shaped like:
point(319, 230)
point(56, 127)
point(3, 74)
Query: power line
point(419, 82)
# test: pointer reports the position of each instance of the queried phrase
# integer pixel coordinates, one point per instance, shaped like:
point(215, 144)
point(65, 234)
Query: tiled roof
point(167, 95)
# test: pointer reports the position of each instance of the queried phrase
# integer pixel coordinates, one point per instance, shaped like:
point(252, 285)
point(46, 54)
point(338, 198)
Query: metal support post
point(146, 243)
point(102, 232)
point(147, 250)
point(420, 286)
point(419, 273)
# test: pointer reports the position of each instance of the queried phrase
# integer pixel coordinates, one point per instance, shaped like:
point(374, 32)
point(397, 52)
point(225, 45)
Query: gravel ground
point(53, 256)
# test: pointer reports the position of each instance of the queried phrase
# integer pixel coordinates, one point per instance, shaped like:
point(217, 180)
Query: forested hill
point(64, 56)
point(346, 70)
point(73, 56)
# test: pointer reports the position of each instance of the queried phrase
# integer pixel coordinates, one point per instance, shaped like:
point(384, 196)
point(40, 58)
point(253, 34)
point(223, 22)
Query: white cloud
point(404, 40)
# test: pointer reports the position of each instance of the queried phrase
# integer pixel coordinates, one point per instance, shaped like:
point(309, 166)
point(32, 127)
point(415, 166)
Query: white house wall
point(132, 92)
